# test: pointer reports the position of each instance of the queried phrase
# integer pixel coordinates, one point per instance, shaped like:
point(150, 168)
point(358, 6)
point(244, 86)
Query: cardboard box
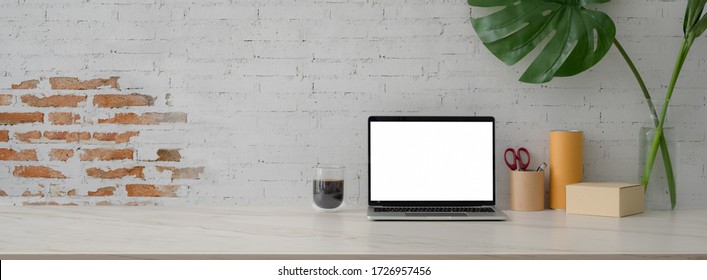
point(604, 199)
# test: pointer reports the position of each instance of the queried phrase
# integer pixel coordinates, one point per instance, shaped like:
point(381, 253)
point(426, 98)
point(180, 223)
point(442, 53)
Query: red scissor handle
point(517, 162)
point(512, 164)
point(523, 165)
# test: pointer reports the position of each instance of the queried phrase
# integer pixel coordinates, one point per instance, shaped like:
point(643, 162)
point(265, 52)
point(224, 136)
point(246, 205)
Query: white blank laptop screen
point(431, 161)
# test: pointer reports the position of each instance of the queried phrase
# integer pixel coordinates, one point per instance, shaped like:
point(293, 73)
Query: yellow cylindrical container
point(527, 190)
point(565, 163)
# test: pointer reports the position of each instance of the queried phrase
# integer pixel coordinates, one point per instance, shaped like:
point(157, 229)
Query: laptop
point(431, 168)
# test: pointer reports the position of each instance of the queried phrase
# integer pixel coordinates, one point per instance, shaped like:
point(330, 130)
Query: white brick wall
point(274, 87)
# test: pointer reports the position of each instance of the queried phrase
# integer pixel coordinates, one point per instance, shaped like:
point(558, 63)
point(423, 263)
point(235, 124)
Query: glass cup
point(328, 191)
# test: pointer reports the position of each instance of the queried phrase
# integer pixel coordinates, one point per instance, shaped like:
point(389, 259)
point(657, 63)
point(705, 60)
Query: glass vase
point(657, 195)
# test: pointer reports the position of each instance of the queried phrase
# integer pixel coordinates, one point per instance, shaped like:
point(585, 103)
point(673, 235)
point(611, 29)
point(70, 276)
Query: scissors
point(517, 162)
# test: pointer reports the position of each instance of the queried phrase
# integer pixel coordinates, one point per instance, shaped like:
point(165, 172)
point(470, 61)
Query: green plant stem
point(684, 49)
point(644, 89)
point(663, 143)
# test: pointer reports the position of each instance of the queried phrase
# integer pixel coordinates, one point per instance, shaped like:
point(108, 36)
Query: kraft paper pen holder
point(527, 190)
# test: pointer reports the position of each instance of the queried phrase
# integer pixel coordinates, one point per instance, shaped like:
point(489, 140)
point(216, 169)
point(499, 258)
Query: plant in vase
point(694, 24)
point(579, 39)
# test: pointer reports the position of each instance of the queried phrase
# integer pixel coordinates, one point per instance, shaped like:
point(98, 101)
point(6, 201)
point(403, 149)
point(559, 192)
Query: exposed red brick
point(4, 136)
point(151, 190)
point(61, 154)
point(53, 101)
point(76, 84)
point(64, 118)
point(5, 99)
point(27, 137)
point(168, 155)
point(74, 136)
point(50, 203)
point(67, 136)
point(33, 171)
point(17, 118)
point(104, 203)
point(116, 137)
point(141, 203)
point(43, 203)
point(122, 100)
point(28, 193)
point(107, 191)
point(23, 155)
point(146, 118)
point(29, 84)
point(182, 173)
point(71, 192)
point(116, 173)
point(106, 154)
point(3, 193)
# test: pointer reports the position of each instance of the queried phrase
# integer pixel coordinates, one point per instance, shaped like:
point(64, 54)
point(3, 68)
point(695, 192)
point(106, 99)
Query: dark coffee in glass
point(328, 194)
point(328, 188)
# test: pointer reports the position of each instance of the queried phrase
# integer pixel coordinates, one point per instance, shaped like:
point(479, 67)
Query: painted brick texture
point(69, 157)
point(258, 92)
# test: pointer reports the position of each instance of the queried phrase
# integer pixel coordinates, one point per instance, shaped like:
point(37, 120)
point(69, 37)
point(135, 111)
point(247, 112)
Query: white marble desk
point(300, 233)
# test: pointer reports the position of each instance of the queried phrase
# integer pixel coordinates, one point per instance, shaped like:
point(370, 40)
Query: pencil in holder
point(527, 190)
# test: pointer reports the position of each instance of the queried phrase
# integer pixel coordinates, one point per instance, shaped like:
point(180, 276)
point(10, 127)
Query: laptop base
point(435, 216)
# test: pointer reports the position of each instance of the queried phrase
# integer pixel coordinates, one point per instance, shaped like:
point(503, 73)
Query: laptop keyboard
point(433, 209)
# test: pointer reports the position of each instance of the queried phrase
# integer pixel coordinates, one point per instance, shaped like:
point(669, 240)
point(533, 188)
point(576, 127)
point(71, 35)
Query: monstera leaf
point(579, 37)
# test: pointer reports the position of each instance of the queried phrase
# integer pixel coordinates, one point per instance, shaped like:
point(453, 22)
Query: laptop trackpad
point(454, 214)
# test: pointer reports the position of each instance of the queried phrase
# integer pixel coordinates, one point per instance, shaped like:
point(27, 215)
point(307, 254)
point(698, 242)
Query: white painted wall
point(274, 87)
